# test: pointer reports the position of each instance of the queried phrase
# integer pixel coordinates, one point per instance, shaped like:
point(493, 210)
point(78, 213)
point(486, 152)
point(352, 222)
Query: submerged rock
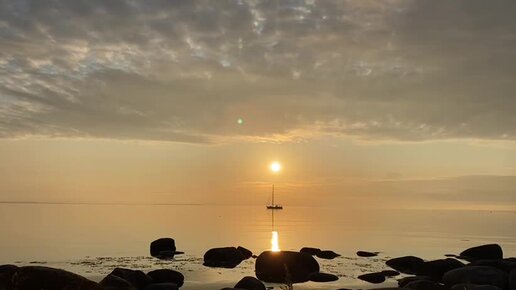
point(323, 277)
point(227, 257)
point(375, 278)
point(285, 266)
point(310, 251)
point(167, 276)
point(45, 278)
point(484, 252)
point(250, 283)
point(407, 264)
point(327, 254)
point(367, 254)
point(479, 275)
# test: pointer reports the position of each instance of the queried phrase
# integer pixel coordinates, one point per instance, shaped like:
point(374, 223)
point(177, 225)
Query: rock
point(161, 286)
point(390, 273)
point(406, 280)
point(167, 276)
point(424, 285)
point(474, 287)
point(45, 278)
point(479, 275)
point(323, 277)
point(437, 268)
point(484, 252)
point(505, 265)
point(285, 266)
point(250, 283)
point(512, 280)
point(164, 248)
point(245, 252)
point(375, 278)
point(310, 251)
point(406, 264)
point(228, 257)
point(113, 282)
point(367, 254)
point(6, 274)
point(227, 288)
point(329, 255)
point(137, 278)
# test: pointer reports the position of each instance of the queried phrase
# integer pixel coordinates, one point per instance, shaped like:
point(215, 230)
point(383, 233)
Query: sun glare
point(275, 167)
point(275, 242)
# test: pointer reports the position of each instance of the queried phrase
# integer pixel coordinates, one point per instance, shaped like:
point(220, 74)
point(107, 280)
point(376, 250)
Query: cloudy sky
point(188, 101)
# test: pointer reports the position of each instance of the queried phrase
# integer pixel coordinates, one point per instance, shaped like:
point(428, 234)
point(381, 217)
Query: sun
point(275, 166)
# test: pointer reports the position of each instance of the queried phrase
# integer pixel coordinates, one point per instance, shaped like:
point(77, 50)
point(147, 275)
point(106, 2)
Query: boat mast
point(272, 194)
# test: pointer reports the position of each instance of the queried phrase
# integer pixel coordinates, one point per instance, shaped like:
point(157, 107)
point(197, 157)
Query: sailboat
point(272, 205)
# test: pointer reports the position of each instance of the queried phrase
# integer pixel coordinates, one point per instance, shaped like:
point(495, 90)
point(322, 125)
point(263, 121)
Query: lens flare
point(275, 166)
point(275, 242)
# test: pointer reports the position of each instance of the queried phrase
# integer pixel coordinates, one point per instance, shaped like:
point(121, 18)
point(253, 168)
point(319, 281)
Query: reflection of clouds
point(301, 68)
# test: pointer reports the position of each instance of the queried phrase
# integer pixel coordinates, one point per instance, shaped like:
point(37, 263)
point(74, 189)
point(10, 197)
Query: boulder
point(406, 280)
point(6, 274)
point(437, 268)
point(505, 265)
point(479, 275)
point(161, 286)
point(323, 277)
point(112, 282)
point(407, 264)
point(285, 266)
point(474, 287)
point(167, 276)
point(250, 283)
point(424, 285)
point(390, 273)
point(245, 252)
point(329, 255)
point(367, 254)
point(164, 248)
point(310, 251)
point(375, 278)
point(484, 252)
point(137, 278)
point(227, 257)
point(45, 278)
point(512, 280)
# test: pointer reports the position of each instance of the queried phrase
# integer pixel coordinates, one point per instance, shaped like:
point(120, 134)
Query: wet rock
point(323, 277)
point(424, 285)
point(6, 274)
point(137, 278)
point(407, 264)
point(250, 283)
point(245, 252)
point(45, 278)
point(310, 251)
point(367, 254)
point(167, 276)
point(390, 273)
point(227, 257)
point(437, 268)
point(474, 287)
point(285, 266)
point(161, 286)
point(479, 275)
point(164, 248)
point(484, 252)
point(112, 282)
point(327, 254)
point(406, 280)
point(375, 278)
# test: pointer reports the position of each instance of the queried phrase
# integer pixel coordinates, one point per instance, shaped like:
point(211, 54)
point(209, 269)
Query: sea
point(93, 239)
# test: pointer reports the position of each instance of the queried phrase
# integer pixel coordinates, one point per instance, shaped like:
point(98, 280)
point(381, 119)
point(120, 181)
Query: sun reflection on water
point(275, 242)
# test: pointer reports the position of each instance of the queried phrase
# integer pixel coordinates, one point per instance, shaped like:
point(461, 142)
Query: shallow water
point(93, 239)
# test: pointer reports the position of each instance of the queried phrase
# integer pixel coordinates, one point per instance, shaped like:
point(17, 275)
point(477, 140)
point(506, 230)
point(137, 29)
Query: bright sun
point(275, 167)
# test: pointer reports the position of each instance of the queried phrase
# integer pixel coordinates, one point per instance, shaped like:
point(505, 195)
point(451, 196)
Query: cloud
point(187, 70)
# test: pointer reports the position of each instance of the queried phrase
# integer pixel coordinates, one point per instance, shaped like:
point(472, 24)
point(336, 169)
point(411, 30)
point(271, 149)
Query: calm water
point(92, 239)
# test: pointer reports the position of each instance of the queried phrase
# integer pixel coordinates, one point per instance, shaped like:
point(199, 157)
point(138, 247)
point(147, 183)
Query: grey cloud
point(186, 70)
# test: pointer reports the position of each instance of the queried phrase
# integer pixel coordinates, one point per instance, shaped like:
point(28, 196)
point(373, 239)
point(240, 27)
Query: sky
point(384, 103)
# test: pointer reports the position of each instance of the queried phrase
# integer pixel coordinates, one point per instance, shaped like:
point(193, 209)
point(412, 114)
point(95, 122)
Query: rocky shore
point(479, 268)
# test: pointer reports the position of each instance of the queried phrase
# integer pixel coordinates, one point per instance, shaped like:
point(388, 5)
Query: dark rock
point(406, 264)
point(6, 274)
point(505, 265)
point(327, 255)
point(512, 280)
point(45, 278)
point(285, 266)
point(250, 283)
point(137, 278)
point(113, 282)
point(437, 268)
point(479, 275)
point(161, 286)
point(227, 288)
point(167, 276)
point(375, 278)
point(424, 285)
point(323, 277)
point(474, 287)
point(163, 248)
point(406, 280)
point(367, 254)
point(228, 257)
point(484, 252)
point(310, 251)
point(390, 273)
point(245, 252)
